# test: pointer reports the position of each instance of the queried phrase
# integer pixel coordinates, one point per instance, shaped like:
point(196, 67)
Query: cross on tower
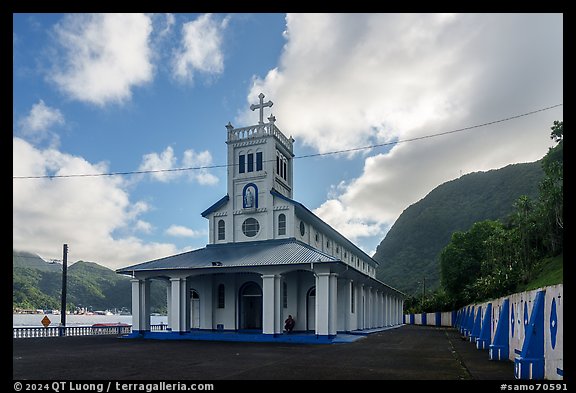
point(261, 106)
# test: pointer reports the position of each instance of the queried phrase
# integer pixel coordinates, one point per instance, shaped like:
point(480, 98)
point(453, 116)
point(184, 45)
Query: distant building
point(268, 257)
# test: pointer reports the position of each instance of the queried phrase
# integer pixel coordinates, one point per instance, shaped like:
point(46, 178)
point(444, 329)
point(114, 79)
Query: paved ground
point(410, 352)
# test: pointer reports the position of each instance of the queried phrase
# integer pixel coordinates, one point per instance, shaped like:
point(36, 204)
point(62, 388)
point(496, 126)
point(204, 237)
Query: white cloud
point(182, 231)
point(200, 49)
point(36, 125)
point(196, 160)
point(104, 56)
point(167, 161)
point(85, 213)
point(158, 162)
point(350, 80)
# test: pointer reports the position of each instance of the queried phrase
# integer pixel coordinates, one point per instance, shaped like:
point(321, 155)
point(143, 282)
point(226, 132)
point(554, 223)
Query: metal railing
point(69, 331)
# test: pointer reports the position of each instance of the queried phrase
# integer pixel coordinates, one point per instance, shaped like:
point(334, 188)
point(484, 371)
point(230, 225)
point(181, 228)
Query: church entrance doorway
point(250, 306)
point(194, 309)
point(311, 309)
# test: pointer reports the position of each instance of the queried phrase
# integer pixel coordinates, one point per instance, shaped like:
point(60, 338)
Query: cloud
point(182, 231)
point(195, 160)
point(200, 48)
point(85, 213)
point(36, 125)
point(158, 162)
point(166, 160)
point(351, 80)
point(103, 56)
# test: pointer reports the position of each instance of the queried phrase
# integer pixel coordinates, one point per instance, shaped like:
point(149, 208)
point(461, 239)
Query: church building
point(268, 257)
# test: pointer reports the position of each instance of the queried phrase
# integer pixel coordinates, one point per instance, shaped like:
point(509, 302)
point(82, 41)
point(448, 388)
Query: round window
point(250, 227)
point(302, 228)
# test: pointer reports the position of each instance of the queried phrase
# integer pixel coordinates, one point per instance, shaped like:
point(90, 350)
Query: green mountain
point(38, 284)
point(408, 255)
point(27, 259)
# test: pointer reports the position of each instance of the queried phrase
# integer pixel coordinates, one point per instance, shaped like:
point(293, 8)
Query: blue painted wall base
point(528, 368)
point(499, 349)
point(530, 363)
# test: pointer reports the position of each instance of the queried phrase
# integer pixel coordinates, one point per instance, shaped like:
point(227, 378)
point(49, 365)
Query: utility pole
point(64, 279)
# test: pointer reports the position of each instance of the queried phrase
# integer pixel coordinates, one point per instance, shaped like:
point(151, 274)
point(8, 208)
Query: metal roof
point(258, 253)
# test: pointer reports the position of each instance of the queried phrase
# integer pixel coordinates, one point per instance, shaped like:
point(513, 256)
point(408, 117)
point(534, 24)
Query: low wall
point(526, 328)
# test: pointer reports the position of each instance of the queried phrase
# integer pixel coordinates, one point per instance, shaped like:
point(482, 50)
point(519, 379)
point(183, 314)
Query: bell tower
point(259, 160)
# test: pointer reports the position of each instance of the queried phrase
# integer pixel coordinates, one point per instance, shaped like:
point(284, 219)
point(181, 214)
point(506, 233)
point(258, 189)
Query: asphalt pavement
point(407, 353)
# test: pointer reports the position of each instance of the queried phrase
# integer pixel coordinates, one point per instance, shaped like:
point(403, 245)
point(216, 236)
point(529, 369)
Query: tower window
point(284, 175)
point(282, 224)
point(221, 296)
point(250, 162)
point(302, 228)
point(242, 164)
point(259, 161)
point(277, 165)
point(221, 230)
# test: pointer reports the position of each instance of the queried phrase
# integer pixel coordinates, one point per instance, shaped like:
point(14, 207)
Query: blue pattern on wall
point(553, 323)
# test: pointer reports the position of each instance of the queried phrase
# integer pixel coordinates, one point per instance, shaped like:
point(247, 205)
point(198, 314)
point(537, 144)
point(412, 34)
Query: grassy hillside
point(89, 285)
point(409, 252)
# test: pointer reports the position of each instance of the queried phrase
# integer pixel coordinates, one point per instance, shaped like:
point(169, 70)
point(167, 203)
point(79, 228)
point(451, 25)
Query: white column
point(382, 315)
point(180, 307)
point(169, 305)
point(206, 302)
point(388, 310)
point(140, 305)
point(347, 300)
point(322, 303)
point(362, 308)
point(371, 307)
point(333, 305)
point(278, 325)
point(378, 309)
point(135, 305)
point(271, 304)
point(395, 311)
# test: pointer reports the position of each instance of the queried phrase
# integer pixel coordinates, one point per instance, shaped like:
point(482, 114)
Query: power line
point(296, 157)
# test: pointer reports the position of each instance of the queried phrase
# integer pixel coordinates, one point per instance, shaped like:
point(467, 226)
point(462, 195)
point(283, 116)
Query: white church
point(268, 257)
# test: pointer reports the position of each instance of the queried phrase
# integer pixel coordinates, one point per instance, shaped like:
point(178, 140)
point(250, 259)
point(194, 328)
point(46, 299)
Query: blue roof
point(216, 206)
point(258, 253)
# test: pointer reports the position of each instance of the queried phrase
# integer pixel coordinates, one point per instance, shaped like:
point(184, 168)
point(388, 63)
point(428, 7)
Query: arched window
point(282, 224)
point(221, 296)
point(221, 230)
point(302, 228)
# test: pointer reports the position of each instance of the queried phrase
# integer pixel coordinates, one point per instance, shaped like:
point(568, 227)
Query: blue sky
point(115, 93)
